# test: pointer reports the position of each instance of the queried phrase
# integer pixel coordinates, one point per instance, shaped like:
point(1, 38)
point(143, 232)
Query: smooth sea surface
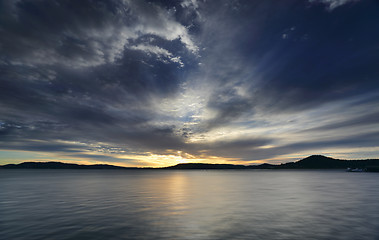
point(188, 204)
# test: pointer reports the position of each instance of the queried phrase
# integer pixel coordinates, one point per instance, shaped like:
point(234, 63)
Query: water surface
point(188, 204)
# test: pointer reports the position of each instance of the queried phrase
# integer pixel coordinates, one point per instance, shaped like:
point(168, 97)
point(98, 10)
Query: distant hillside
point(205, 166)
point(322, 162)
point(219, 166)
point(311, 162)
point(59, 165)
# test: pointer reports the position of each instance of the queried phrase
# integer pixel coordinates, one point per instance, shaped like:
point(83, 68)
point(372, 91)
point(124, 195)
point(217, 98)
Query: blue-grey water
point(217, 204)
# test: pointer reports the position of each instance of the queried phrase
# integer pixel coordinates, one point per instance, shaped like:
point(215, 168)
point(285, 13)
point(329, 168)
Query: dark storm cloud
point(79, 74)
point(51, 32)
point(43, 146)
point(227, 109)
point(74, 65)
point(76, 34)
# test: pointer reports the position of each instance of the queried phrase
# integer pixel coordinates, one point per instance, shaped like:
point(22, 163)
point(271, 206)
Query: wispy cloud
point(83, 38)
point(332, 4)
point(142, 81)
point(161, 53)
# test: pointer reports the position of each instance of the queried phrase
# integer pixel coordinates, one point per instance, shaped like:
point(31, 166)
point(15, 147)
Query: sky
point(157, 83)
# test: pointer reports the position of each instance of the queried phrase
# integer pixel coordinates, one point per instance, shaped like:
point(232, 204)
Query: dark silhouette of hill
point(311, 162)
point(205, 166)
point(322, 162)
point(316, 162)
point(59, 165)
point(219, 166)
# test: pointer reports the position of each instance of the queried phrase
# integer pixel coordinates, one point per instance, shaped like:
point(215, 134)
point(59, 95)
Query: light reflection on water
point(219, 204)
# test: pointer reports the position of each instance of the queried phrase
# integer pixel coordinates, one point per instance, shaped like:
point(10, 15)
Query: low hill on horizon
point(323, 162)
point(60, 165)
point(311, 162)
point(205, 166)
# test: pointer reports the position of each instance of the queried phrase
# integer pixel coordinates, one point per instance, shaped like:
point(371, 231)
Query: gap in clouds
point(144, 82)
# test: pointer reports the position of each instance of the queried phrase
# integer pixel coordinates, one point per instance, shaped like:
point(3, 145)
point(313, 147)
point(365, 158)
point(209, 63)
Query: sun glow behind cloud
point(141, 83)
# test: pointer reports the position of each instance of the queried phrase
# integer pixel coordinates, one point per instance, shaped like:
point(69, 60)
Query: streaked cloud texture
point(154, 83)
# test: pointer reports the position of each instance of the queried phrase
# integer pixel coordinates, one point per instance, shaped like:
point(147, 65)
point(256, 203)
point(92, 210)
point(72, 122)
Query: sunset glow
point(158, 83)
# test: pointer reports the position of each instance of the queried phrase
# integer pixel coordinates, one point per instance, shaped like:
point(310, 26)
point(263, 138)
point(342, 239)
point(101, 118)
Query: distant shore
point(311, 162)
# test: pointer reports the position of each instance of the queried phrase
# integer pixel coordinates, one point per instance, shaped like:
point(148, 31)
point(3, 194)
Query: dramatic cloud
point(82, 34)
point(152, 83)
point(332, 4)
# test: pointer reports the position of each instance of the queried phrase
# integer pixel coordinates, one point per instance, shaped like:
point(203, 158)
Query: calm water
point(219, 204)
